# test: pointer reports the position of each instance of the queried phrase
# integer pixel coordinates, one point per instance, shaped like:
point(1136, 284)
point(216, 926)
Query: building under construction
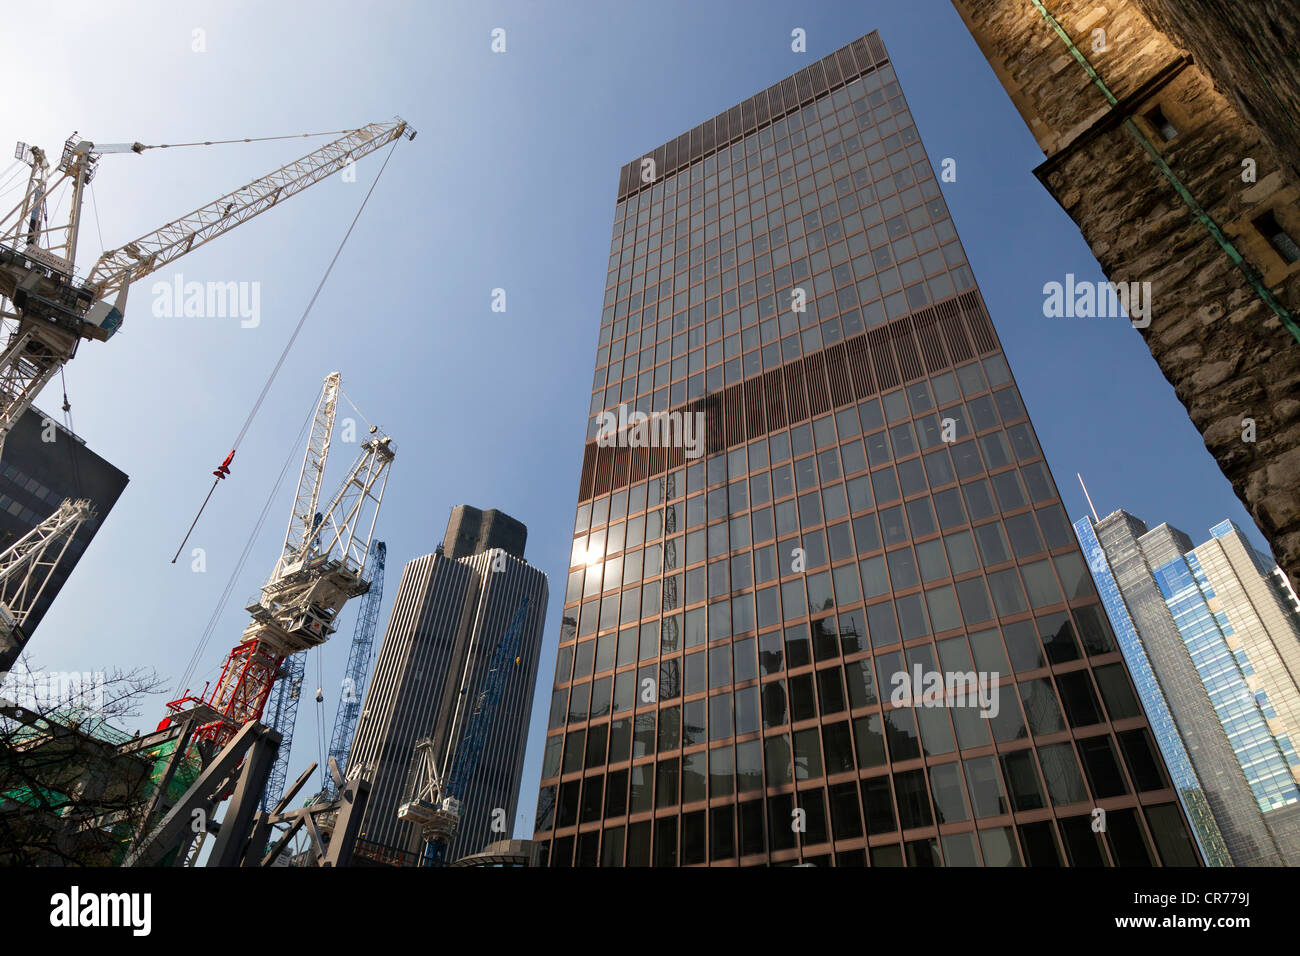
point(43, 464)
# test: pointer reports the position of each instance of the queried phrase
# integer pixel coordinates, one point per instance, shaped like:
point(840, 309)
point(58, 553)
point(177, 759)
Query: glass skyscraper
point(1265, 758)
point(755, 625)
point(1209, 656)
point(1190, 792)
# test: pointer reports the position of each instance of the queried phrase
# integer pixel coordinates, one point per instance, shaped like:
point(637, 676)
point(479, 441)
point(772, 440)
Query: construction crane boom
point(433, 800)
point(47, 310)
point(118, 268)
point(25, 569)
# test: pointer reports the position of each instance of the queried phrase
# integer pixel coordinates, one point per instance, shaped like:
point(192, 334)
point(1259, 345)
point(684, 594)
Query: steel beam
point(172, 831)
point(238, 821)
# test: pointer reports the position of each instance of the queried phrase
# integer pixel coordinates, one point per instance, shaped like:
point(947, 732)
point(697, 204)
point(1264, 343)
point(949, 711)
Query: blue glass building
point(1189, 646)
point(1190, 792)
point(1265, 758)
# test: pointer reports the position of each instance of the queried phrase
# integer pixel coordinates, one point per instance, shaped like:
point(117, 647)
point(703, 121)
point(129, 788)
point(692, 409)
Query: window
point(1281, 241)
point(1160, 123)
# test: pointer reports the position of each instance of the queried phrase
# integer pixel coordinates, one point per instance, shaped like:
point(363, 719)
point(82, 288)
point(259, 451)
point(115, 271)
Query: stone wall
point(1228, 356)
point(1252, 53)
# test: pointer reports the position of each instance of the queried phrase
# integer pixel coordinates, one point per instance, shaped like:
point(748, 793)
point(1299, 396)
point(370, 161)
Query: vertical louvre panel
point(796, 400)
point(622, 462)
point(790, 93)
point(715, 422)
point(604, 469)
point(640, 463)
point(803, 81)
point(954, 333)
point(733, 411)
point(860, 366)
point(837, 371)
point(747, 116)
point(909, 360)
point(755, 420)
point(761, 113)
point(882, 357)
point(927, 333)
point(832, 67)
point(776, 417)
point(819, 396)
point(588, 480)
point(977, 320)
point(847, 68)
point(861, 54)
point(876, 47)
point(658, 460)
point(818, 77)
point(775, 102)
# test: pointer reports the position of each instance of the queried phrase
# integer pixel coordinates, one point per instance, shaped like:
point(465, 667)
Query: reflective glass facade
point(869, 504)
point(1265, 759)
point(1190, 792)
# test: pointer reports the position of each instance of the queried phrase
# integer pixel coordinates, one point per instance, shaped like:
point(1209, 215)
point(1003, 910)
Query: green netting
point(186, 772)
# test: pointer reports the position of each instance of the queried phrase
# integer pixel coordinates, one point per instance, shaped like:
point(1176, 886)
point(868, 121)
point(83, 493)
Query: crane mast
point(46, 309)
point(320, 567)
point(359, 657)
point(303, 521)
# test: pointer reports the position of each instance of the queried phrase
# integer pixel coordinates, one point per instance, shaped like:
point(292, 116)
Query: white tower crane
point(319, 568)
point(46, 309)
point(25, 568)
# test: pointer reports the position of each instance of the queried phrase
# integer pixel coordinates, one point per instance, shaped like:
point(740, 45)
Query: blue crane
point(359, 659)
point(434, 804)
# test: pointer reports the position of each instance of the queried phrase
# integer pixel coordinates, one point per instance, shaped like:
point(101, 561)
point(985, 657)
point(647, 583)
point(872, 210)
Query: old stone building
point(1171, 139)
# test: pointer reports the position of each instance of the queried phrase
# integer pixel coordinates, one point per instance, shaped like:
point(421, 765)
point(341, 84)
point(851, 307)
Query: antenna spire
point(1086, 495)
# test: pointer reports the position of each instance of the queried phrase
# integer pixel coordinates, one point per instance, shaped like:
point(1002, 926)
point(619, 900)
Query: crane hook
point(224, 468)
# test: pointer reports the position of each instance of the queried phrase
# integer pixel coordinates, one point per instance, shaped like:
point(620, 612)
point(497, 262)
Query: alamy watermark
point(43, 692)
point(179, 299)
point(922, 688)
point(622, 429)
point(1085, 299)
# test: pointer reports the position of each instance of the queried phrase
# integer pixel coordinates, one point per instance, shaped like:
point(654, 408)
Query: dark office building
point(751, 638)
point(44, 463)
point(451, 610)
point(471, 531)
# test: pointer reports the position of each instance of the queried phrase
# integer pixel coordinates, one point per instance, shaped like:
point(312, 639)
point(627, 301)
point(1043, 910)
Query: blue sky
point(510, 184)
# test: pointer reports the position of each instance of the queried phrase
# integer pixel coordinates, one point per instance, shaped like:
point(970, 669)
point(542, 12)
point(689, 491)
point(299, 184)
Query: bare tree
point(68, 797)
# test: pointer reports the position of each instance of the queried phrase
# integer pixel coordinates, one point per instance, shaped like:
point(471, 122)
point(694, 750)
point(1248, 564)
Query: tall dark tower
point(451, 609)
point(751, 638)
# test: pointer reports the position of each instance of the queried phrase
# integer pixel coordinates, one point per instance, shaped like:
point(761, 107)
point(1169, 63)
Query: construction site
point(210, 785)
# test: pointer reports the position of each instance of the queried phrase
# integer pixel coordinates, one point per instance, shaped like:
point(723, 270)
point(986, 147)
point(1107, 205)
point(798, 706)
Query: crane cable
point(320, 717)
point(224, 468)
point(243, 557)
point(5, 186)
point(360, 414)
point(247, 139)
